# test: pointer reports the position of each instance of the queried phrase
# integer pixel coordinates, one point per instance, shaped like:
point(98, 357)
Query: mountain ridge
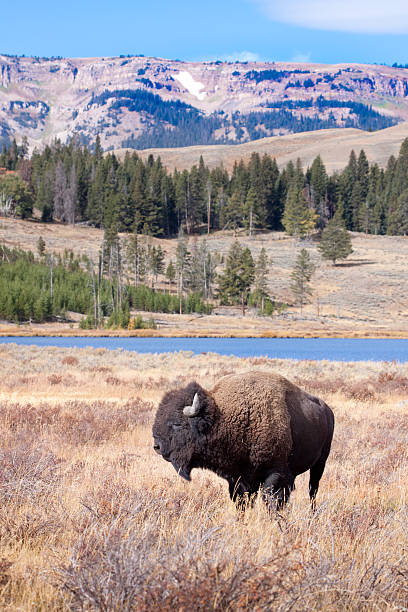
point(141, 101)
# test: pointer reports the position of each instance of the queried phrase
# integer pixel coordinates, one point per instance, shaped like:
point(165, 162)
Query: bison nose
point(156, 447)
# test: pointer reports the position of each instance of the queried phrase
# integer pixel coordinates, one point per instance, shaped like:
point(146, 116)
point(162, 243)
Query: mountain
point(141, 102)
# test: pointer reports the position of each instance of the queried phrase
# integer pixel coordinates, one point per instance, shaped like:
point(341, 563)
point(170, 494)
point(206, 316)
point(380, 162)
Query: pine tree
point(15, 196)
point(70, 197)
point(231, 215)
point(335, 242)
point(318, 190)
point(197, 198)
point(301, 277)
point(183, 257)
point(182, 198)
point(41, 246)
point(298, 219)
point(194, 279)
point(261, 277)
point(251, 207)
point(270, 192)
point(257, 186)
point(136, 258)
point(398, 219)
point(201, 272)
point(400, 175)
point(98, 151)
point(171, 273)
point(60, 185)
point(235, 283)
point(372, 212)
point(96, 194)
point(348, 179)
point(155, 257)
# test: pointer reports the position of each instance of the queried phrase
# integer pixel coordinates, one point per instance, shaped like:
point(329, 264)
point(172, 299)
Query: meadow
point(333, 145)
point(92, 519)
point(364, 296)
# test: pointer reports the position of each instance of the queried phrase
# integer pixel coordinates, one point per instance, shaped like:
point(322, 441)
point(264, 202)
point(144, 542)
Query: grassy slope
point(364, 296)
point(92, 519)
point(334, 147)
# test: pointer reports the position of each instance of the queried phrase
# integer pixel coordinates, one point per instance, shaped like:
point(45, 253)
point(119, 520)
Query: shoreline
point(143, 333)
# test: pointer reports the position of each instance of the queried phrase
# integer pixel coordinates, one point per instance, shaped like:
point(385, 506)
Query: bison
point(256, 430)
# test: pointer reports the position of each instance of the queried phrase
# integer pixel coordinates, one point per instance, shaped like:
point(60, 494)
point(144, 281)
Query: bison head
point(183, 419)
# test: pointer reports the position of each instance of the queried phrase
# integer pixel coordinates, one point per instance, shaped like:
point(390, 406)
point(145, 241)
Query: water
point(334, 349)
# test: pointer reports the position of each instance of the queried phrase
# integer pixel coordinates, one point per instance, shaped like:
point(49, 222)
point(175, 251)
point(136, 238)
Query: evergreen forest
point(169, 123)
point(45, 288)
point(73, 184)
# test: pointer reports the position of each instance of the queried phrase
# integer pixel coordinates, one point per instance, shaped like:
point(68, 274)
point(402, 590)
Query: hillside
point(143, 102)
point(333, 146)
point(365, 296)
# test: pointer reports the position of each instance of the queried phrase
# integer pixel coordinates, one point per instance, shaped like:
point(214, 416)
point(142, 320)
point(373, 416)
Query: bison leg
point(277, 488)
point(316, 472)
point(240, 494)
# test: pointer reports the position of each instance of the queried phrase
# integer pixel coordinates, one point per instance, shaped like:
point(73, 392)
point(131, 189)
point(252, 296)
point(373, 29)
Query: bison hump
point(253, 410)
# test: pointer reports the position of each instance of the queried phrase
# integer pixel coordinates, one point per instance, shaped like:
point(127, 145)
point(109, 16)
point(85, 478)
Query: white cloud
point(242, 56)
point(302, 58)
point(365, 16)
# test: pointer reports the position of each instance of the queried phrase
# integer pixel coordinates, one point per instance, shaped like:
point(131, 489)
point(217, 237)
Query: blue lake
point(334, 349)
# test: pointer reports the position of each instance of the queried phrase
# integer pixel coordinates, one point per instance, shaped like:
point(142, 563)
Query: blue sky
point(326, 31)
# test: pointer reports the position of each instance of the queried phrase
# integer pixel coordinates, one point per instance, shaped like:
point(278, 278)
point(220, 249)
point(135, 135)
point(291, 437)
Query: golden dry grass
point(92, 519)
point(334, 146)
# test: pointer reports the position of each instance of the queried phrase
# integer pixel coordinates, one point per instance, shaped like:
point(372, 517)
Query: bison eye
point(176, 426)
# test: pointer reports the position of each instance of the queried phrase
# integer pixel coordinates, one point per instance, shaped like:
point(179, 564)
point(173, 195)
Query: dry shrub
point(338, 584)
point(27, 472)
point(96, 422)
point(16, 416)
point(5, 566)
point(158, 383)
point(362, 390)
point(114, 380)
point(30, 480)
point(75, 421)
point(128, 565)
point(101, 369)
point(18, 382)
point(55, 379)
point(25, 526)
point(260, 361)
point(390, 382)
point(111, 499)
point(141, 561)
point(67, 380)
point(70, 360)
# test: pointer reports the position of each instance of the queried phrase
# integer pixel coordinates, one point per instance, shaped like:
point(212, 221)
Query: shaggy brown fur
point(255, 429)
point(253, 408)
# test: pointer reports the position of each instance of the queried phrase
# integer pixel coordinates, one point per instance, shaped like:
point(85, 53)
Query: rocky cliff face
point(149, 101)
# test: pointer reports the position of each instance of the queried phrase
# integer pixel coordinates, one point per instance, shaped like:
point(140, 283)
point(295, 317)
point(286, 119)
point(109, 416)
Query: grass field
point(333, 145)
point(364, 296)
point(92, 519)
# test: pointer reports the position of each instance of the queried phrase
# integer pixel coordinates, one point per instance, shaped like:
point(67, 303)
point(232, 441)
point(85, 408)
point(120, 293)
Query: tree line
point(72, 184)
point(47, 286)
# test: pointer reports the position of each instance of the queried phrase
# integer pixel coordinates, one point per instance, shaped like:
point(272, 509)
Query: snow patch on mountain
point(192, 86)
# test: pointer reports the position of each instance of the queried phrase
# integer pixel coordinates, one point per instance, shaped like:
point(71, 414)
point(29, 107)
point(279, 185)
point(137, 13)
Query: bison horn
point(192, 411)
